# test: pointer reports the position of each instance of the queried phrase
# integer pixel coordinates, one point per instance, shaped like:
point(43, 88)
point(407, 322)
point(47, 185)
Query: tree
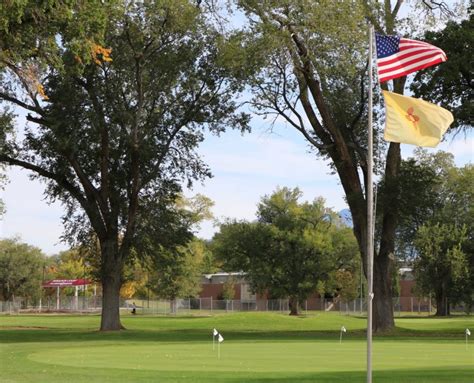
point(436, 226)
point(416, 198)
point(70, 264)
point(6, 128)
point(288, 250)
point(119, 95)
point(20, 270)
point(347, 285)
point(228, 289)
point(315, 78)
point(441, 264)
point(178, 274)
point(176, 271)
point(460, 205)
point(450, 84)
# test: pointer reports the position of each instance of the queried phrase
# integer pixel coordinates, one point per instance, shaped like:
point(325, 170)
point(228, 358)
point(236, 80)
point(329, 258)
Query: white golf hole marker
point(343, 329)
point(220, 339)
point(214, 334)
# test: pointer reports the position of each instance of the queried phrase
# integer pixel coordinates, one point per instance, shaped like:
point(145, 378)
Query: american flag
point(397, 57)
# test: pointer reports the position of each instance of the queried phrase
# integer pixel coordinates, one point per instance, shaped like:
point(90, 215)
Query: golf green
point(258, 348)
point(260, 356)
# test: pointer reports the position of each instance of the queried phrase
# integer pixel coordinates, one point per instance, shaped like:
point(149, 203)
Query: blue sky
point(245, 168)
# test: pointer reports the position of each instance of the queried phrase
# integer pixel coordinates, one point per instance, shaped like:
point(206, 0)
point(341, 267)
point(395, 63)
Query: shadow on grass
point(435, 375)
point(166, 329)
point(63, 335)
point(387, 376)
point(28, 335)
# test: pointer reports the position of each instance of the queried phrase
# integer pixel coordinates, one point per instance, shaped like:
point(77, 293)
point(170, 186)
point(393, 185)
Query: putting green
point(262, 356)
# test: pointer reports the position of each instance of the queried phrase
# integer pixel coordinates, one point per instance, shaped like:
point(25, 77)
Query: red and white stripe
point(412, 56)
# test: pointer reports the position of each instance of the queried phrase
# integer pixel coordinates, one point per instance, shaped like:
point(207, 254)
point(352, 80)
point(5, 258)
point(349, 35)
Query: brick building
point(213, 288)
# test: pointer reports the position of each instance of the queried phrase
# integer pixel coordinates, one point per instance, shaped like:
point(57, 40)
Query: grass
point(258, 347)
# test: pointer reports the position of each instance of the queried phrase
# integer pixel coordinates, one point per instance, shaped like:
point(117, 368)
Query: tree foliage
point(314, 77)
point(20, 270)
point(450, 84)
point(178, 274)
point(291, 247)
point(441, 264)
point(436, 229)
point(117, 97)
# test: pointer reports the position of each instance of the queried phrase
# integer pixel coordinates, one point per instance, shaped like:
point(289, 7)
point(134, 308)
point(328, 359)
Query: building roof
point(66, 282)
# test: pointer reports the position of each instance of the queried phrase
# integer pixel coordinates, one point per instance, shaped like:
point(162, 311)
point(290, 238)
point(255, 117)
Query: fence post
point(211, 304)
point(429, 300)
point(57, 298)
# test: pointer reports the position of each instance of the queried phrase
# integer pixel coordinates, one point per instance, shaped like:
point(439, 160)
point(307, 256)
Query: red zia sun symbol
point(412, 117)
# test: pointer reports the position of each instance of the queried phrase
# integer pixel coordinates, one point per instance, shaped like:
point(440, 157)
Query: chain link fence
point(402, 306)
point(208, 306)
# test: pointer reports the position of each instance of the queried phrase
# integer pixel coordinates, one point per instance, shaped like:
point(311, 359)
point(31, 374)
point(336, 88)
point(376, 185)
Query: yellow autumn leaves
point(100, 54)
point(40, 91)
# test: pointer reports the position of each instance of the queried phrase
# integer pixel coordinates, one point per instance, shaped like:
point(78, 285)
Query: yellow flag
point(413, 121)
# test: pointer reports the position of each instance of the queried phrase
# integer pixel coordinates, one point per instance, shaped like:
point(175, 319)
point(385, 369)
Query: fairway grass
point(258, 347)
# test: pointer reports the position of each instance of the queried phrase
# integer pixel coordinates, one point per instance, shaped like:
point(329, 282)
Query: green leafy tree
point(461, 206)
point(417, 190)
point(288, 251)
point(228, 289)
point(315, 78)
point(450, 84)
point(347, 285)
point(437, 197)
point(69, 264)
point(441, 263)
point(119, 95)
point(178, 274)
point(20, 270)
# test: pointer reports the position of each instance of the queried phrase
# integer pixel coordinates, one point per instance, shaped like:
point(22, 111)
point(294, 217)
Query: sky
point(245, 168)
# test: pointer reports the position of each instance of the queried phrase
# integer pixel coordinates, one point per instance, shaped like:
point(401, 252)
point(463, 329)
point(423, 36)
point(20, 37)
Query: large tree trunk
point(110, 318)
point(383, 261)
point(340, 148)
point(293, 303)
point(383, 301)
point(111, 283)
point(442, 304)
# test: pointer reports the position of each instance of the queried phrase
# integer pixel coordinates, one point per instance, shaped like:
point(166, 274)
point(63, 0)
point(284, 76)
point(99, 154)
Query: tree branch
point(371, 17)
point(63, 182)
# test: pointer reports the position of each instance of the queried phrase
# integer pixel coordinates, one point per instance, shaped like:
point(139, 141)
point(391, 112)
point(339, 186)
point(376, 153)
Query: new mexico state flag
point(412, 121)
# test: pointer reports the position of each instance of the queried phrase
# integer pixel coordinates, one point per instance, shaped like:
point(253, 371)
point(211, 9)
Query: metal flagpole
point(370, 210)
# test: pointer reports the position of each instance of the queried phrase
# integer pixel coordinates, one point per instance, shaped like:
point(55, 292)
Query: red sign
point(66, 282)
